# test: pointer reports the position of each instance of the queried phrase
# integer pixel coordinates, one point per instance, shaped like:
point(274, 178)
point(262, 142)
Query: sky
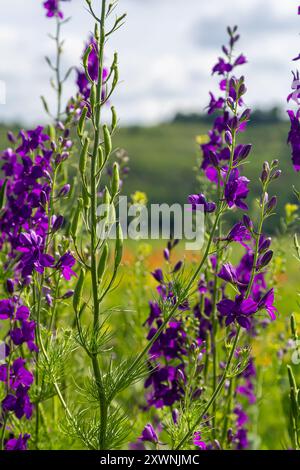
point(166, 51)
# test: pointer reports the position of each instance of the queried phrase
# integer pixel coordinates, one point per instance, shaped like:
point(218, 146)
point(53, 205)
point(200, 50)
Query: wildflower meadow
point(135, 323)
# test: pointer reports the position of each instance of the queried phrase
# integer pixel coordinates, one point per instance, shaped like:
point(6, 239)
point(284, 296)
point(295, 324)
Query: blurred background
point(166, 53)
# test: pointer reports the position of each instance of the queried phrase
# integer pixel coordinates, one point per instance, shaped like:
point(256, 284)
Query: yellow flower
point(290, 212)
point(139, 198)
point(202, 139)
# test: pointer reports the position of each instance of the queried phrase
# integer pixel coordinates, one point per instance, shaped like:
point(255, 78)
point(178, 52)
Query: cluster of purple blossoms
point(294, 115)
point(222, 159)
point(27, 167)
point(167, 352)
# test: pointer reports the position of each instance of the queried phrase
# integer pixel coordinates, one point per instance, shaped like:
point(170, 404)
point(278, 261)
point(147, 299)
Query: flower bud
point(11, 137)
point(175, 415)
point(276, 174)
point(272, 204)
point(43, 198)
point(245, 151)
point(228, 138)
point(58, 223)
point(64, 191)
point(166, 254)
point(10, 286)
point(245, 115)
point(264, 260)
point(213, 158)
point(177, 267)
point(247, 222)
point(68, 294)
point(264, 244)
point(264, 176)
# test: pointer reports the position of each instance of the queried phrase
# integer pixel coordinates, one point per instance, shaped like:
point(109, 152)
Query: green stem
point(96, 304)
point(57, 68)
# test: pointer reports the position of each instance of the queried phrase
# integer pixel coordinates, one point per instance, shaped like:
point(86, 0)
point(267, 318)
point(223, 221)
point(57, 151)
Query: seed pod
point(114, 118)
point(119, 246)
point(103, 262)
point(80, 127)
point(75, 221)
point(116, 77)
point(85, 58)
point(83, 156)
point(107, 141)
point(100, 157)
point(93, 96)
point(51, 132)
point(96, 30)
point(78, 291)
point(294, 326)
point(115, 184)
point(85, 197)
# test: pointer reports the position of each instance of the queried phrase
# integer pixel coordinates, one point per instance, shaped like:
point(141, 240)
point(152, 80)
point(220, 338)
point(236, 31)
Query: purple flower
point(215, 103)
point(64, 264)
point(199, 200)
point(198, 442)
point(222, 67)
point(17, 444)
point(241, 439)
point(238, 233)
point(6, 309)
point(238, 310)
point(149, 435)
point(158, 275)
point(294, 138)
point(52, 7)
point(236, 190)
point(228, 273)
point(242, 417)
point(267, 303)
